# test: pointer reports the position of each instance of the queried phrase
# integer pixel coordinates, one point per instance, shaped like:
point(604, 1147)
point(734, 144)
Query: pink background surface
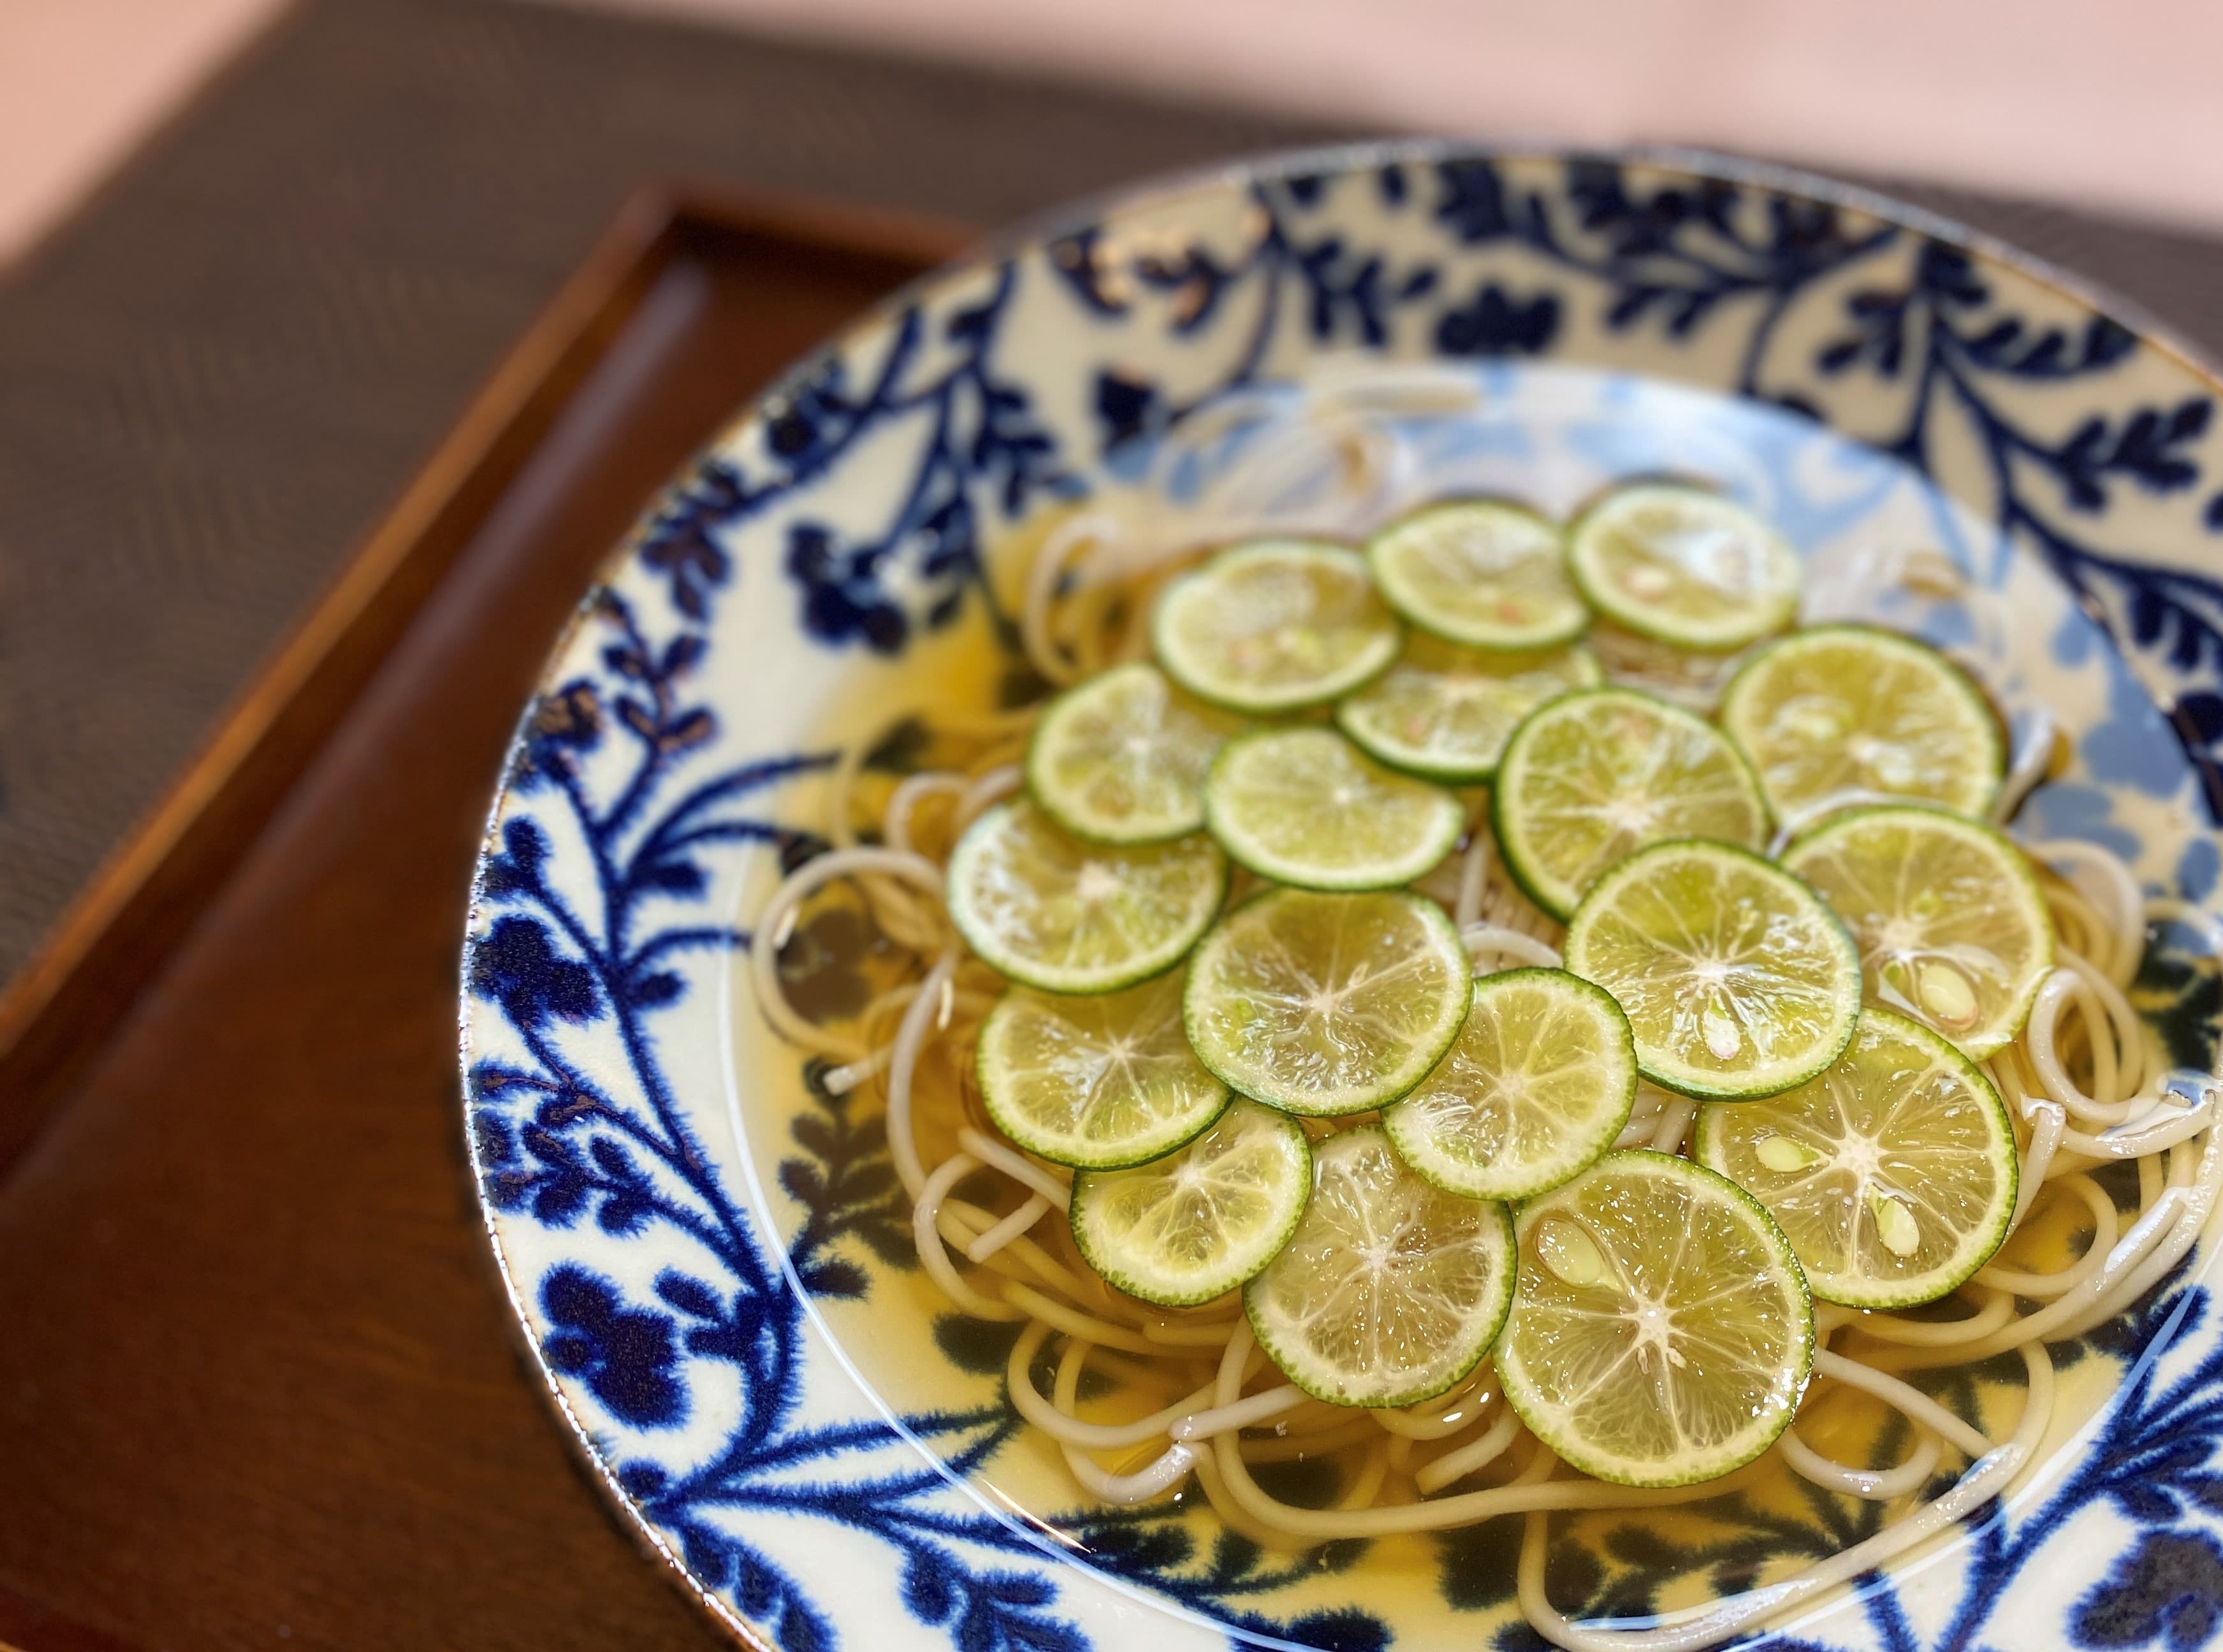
point(2107, 103)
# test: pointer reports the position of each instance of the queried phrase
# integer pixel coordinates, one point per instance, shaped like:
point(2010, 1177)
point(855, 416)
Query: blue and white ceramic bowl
point(708, 1252)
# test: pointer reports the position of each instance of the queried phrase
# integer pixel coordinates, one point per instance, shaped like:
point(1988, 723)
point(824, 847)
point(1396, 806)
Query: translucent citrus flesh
point(1067, 916)
point(1121, 758)
point(1842, 710)
point(1892, 1174)
point(1099, 1081)
point(1952, 928)
point(1596, 776)
point(1274, 625)
point(1684, 565)
point(1305, 806)
point(1446, 713)
point(1489, 574)
point(1660, 1333)
point(1196, 1224)
point(1735, 979)
point(1326, 1004)
point(1538, 1084)
point(1390, 1290)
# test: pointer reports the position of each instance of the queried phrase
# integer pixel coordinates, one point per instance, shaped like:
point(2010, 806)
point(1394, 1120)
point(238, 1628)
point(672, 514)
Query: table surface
point(258, 1386)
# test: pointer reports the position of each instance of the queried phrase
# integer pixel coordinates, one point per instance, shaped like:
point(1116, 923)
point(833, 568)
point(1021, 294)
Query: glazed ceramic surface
point(710, 1252)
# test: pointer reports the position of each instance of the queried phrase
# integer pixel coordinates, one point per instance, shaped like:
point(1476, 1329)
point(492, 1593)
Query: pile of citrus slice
point(1650, 1315)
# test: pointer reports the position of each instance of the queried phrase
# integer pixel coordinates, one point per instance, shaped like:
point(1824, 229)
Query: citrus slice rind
point(1736, 979)
point(1097, 1083)
point(1851, 712)
point(1304, 806)
point(1326, 1004)
point(1661, 1333)
point(1445, 713)
point(1485, 573)
point(1538, 1084)
point(1683, 565)
point(1061, 915)
point(1196, 1224)
point(1390, 1290)
point(1274, 625)
point(1121, 758)
point(1894, 1174)
point(1952, 925)
point(1594, 775)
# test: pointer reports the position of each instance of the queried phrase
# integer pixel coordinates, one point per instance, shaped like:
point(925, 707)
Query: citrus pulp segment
point(1538, 1084)
point(1596, 775)
point(1326, 1004)
point(1736, 980)
point(1661, 1333)
point(1195, 1224)
point(1121, 758)
point(1482, 572)
point(1062, 915)
point(1274, 625)
point(1305, 806)
point(1389, 1291)
point(1952, 927)
point(1848, 712)
point(1446, 713)
point(1095, 1082)
point(1683, 565)
point(1894, 1174)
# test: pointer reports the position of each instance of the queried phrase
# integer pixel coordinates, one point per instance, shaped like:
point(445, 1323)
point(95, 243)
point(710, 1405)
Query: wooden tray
point(257, 1383)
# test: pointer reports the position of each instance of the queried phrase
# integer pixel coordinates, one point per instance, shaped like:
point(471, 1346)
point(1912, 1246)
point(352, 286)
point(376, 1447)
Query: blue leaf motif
point(1494, 323)
point(516, 965)
point(624, 1356)
point(2168, 1590)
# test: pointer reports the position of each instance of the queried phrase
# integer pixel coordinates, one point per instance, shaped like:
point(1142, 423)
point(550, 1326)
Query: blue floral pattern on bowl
point(689, 1247)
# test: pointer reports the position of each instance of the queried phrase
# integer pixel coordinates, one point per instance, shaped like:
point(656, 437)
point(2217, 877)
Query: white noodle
point(1491, 940)
point(1016, 1165)
point(777, 918)
point(1238, 1414)
point(1916, 1405)
point(1456, 1465)
point(1872, 1484)
point(1009, 1229)
point(926, 1229)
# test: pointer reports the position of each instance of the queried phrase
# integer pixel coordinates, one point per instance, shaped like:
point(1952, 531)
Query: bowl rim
point(1034, 229)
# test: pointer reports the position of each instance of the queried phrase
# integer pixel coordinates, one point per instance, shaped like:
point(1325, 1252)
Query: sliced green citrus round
point(1952, 927)
point(1446, 712)
point(1121, 758)
point(1098, 1081)
point(1390, 1290)
point(1847, 712)
point(1327, 1004)
point(1538, 1084)
point(1736, 980)
point(1594, 775)
point(1661, 1333)
point(1893, 1174)
point(1305, 806)
point(1061, 915)
point(1274, 625)
point(1483, 572)
point(1684, 565)
point(1196, 1224)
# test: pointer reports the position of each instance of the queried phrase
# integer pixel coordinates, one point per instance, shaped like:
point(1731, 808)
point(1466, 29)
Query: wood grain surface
point(258, 1387)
